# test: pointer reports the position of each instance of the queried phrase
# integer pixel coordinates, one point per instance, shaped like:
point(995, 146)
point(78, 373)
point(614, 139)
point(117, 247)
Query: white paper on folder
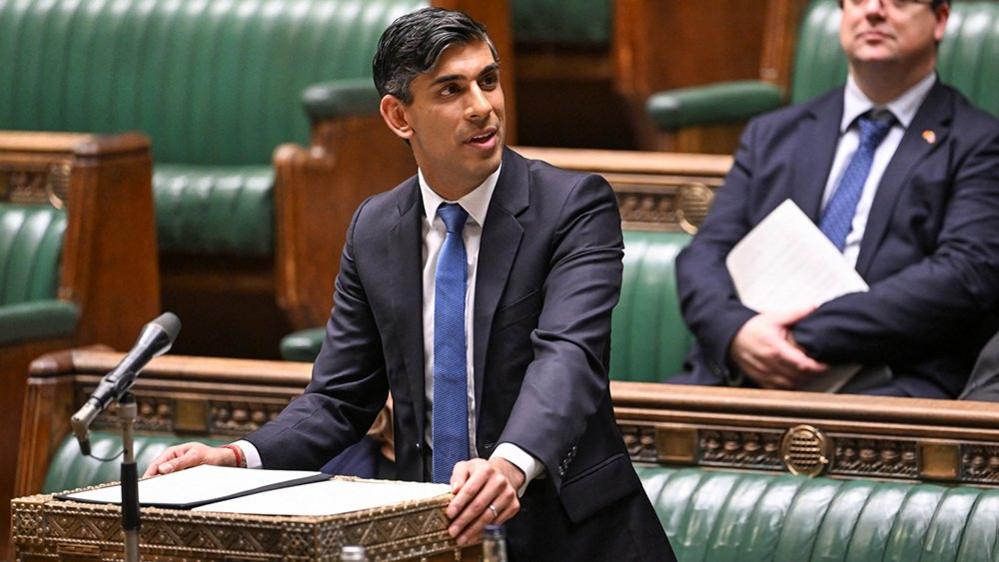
point(328, 498)
point(786, 263)
point(198, 484)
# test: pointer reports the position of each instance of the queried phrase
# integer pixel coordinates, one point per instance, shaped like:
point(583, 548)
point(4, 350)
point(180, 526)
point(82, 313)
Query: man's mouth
point(484, 138)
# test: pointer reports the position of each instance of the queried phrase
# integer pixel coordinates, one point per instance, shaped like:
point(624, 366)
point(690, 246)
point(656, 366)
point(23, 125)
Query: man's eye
point(450, 90)
point(489, 81)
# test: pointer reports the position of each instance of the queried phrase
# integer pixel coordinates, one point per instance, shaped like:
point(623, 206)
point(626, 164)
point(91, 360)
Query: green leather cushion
point(214, 209)
point(69, 469)
point(649, 338)
point(30, 246)
point(557, 22)
point(720, 516)
point(715, 103)
point(37, 320)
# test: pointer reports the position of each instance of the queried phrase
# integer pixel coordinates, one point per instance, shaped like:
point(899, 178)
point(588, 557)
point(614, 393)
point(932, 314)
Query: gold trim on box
point(805, 450)
point(939, 460)
point(676, 444)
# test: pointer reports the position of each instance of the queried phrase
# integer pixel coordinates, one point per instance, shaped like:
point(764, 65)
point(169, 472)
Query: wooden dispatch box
point(46, 528)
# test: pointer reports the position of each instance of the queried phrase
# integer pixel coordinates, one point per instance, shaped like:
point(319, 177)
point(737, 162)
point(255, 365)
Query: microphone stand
point(129, 477)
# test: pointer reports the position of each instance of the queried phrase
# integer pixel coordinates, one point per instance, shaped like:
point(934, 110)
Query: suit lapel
point(934, 115)
point(501, 235)
point(405, 253)
point(813, 157)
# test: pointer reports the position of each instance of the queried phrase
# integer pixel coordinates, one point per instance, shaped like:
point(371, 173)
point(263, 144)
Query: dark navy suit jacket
point(549, 274)
point(930, 251)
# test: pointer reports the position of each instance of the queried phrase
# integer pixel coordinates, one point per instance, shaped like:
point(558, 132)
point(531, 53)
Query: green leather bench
point(968, 60)
point(31, 239)
point(216, 86)
point(585, 23)
point(718, 516)
point(649, 338)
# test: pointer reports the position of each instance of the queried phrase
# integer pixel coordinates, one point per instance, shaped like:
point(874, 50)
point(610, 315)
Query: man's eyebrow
point(452, 77)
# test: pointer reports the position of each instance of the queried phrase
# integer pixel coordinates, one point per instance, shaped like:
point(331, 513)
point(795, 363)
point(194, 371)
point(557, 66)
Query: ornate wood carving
point(875, 456)
point(980, 463)
point(35, 184)
point(737, 448)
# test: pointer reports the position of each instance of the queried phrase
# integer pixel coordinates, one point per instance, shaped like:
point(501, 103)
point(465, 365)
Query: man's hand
point(478, 484)
point(187, 455)
point(764, 350)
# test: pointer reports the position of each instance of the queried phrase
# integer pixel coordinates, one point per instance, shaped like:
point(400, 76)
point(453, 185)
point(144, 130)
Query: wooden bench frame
point(108, 265)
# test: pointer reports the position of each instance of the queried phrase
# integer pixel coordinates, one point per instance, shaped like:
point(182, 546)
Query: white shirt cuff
point(250, 454)
point(530, 466)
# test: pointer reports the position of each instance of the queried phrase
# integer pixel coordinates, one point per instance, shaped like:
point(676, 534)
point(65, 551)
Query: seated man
point(480, 292)
point(902, 174)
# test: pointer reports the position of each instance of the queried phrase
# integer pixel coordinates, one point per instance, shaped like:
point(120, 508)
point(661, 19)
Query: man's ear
point(394, 113)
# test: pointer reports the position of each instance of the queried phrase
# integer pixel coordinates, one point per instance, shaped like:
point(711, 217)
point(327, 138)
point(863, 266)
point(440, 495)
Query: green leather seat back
point(649, 338)
point(214, 209)
point(30, 245)
point(584, 23)
point(209, 82)
point(720, 516)
point(69, 469)
point(968, 58)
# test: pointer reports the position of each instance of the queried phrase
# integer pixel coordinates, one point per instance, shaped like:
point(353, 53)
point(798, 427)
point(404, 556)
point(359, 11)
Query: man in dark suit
point(902, 174)
point(480, 292)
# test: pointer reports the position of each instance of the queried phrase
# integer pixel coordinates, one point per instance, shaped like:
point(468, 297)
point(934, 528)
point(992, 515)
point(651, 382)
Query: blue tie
point(450, 421)
point(837, 217)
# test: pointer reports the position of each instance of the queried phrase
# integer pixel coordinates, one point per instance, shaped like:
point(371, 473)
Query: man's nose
point(479, 107)
point(874, 8)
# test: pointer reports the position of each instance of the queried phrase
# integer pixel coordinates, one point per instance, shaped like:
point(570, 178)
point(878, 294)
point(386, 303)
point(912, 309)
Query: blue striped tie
point(450, 418)
point(837, 217)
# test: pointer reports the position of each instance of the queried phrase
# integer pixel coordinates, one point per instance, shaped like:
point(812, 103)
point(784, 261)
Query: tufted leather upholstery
point(30, 246)
point(968, 59)
point(215, 209)
point(650, 339)
point(214, 84)
point(722, 516)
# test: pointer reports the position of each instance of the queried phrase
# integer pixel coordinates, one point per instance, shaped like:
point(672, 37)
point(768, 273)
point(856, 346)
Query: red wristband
point(240, 460)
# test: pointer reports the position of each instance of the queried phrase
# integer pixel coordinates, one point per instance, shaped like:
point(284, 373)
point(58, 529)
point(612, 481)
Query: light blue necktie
point(450, 418)
point(837, 217)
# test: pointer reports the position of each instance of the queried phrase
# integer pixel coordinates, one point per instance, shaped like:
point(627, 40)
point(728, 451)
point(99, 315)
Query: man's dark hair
point(413, 43)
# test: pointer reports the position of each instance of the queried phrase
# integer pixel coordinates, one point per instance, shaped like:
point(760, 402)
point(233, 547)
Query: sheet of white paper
point(200, 483)
point(328, 498)
point(786, 263)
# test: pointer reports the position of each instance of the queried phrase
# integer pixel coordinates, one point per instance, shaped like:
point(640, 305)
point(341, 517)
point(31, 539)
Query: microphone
point(154, 340)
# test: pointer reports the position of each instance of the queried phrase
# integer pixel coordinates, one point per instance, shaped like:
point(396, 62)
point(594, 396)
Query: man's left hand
point(479, 485)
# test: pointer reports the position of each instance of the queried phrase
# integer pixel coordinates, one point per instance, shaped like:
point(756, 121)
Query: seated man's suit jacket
point(549, 274)
point(930, 251)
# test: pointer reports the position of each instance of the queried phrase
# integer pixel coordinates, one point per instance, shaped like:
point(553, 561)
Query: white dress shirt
point(476, 204)
point(855, 103)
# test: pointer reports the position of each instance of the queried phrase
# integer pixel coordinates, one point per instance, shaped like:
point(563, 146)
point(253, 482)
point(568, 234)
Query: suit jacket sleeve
point(348, 386)
point(567, 380)
point(708, 300)
point(929, 302)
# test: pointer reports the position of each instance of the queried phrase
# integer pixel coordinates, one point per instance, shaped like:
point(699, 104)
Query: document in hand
point(201, 485)
point(786, 263)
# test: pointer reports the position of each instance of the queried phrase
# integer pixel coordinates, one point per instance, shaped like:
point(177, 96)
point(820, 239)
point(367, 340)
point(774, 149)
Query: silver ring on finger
point(492, 508)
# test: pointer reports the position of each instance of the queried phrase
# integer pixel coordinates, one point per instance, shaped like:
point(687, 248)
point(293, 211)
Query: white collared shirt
point(476, 204)
point(855, 103)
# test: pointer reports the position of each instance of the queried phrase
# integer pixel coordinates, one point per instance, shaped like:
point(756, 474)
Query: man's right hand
point(187, 455)
point(764, 350)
